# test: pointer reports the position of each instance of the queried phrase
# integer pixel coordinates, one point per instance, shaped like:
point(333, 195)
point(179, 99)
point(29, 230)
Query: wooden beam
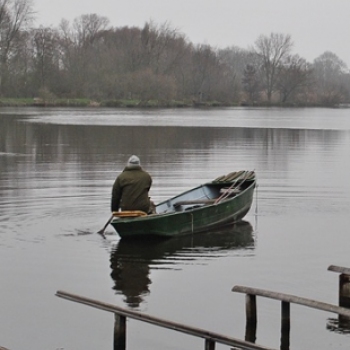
point(339, 269)
point(210, 337)
point(293, 299)
point(194, 201)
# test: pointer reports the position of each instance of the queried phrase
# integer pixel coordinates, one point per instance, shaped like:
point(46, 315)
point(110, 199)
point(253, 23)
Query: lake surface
point(57, 170)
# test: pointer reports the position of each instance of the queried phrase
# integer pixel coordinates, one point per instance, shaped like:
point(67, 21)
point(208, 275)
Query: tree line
point(89, 58)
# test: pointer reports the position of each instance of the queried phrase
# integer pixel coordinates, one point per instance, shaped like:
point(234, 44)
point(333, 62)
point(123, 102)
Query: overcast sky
point(315, 26)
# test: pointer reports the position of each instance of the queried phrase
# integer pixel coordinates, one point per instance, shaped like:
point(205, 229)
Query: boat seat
point(230, 191)
point(129, 213)
point(194, 201)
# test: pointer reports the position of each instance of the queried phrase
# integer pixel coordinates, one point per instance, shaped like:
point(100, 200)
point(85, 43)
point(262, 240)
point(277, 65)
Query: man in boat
point(131, 187)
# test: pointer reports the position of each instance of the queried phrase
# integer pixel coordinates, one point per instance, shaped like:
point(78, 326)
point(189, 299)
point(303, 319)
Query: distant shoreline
point(84, 103)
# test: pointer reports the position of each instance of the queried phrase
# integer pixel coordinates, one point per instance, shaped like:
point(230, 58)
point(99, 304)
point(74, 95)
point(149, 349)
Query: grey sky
point(315, 26)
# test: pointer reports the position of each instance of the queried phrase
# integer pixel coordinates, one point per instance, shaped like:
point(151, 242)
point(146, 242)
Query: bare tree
point(234, 60)
point(87, 27)
point(46, 56)
point(251, 83)
point(329, 71)
point(293, 76)
point(15, 16)
point(272, 50)
point(146, 85)
point(204, 69)
point(19, 68)
point(81, 52)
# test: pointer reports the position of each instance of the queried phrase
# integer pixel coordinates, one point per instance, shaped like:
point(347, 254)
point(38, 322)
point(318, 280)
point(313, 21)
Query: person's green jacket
point(130, 190)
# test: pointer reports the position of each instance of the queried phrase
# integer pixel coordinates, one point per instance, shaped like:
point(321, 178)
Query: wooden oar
point(102, 231)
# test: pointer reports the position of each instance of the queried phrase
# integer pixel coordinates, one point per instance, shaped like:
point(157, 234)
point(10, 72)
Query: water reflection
point(132, 260)
point(98, 143)
point(56, 177)
point(339, 325)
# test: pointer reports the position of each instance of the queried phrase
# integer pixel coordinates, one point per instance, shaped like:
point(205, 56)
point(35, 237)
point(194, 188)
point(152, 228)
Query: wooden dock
point(121, 314)
point(212, 338)
point(342, 310)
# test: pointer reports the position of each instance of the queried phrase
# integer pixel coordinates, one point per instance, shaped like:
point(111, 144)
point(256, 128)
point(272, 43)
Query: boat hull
point(188, 220)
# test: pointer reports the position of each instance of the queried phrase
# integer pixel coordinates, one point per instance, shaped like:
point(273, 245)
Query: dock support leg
point(251, 318)
point(250, 306)
point(209, 344)
point(285, 325)
point(250, 333)
point(119, 332)
point(344, 295)
point(344, 290)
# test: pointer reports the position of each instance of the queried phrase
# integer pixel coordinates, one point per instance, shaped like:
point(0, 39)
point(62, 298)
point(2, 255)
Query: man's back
point(130, 189)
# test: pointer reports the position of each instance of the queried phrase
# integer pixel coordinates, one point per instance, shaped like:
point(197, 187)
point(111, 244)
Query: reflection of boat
point(132, 260)
point(225, 200)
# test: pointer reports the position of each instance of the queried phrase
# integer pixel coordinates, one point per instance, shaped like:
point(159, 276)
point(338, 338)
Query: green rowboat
point(223, 201)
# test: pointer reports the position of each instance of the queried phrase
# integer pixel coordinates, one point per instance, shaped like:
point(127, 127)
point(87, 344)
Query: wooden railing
point(286, 299)
point(122, 314)
point(344, 284)
point(343, 310)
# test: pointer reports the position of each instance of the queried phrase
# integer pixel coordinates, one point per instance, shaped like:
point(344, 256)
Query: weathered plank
point(194, 201)
point(293, 299)
point(339, 269)
point(210, 337)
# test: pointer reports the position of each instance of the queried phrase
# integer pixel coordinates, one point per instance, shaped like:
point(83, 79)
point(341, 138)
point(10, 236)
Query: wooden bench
point(129, 213)
point(194, 201)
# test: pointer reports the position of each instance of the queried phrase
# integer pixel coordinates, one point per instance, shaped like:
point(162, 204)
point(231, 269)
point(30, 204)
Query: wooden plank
point(339, 269)
point(129, 213)
point(197, 332)
point(292, 299)
point(194, 201)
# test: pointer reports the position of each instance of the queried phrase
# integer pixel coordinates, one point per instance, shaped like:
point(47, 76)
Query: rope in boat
point(227, 192)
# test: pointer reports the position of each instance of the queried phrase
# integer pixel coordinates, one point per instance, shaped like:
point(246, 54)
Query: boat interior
point(212, 193)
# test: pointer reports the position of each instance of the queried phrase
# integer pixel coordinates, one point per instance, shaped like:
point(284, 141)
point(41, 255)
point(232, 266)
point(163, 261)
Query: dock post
point(285, 325)
point(209, 344)
point(119, 332)
point(344, 284)
point(250, 306)
point(344, 291)
point(344, 297)
point(250, 333)
point(285, 315)
point(251, 318)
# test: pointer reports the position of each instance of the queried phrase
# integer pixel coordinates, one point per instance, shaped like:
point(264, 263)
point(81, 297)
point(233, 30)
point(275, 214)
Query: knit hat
point(133, 161)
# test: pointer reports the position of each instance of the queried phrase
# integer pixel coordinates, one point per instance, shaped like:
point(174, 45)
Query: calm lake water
point(57, 170)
